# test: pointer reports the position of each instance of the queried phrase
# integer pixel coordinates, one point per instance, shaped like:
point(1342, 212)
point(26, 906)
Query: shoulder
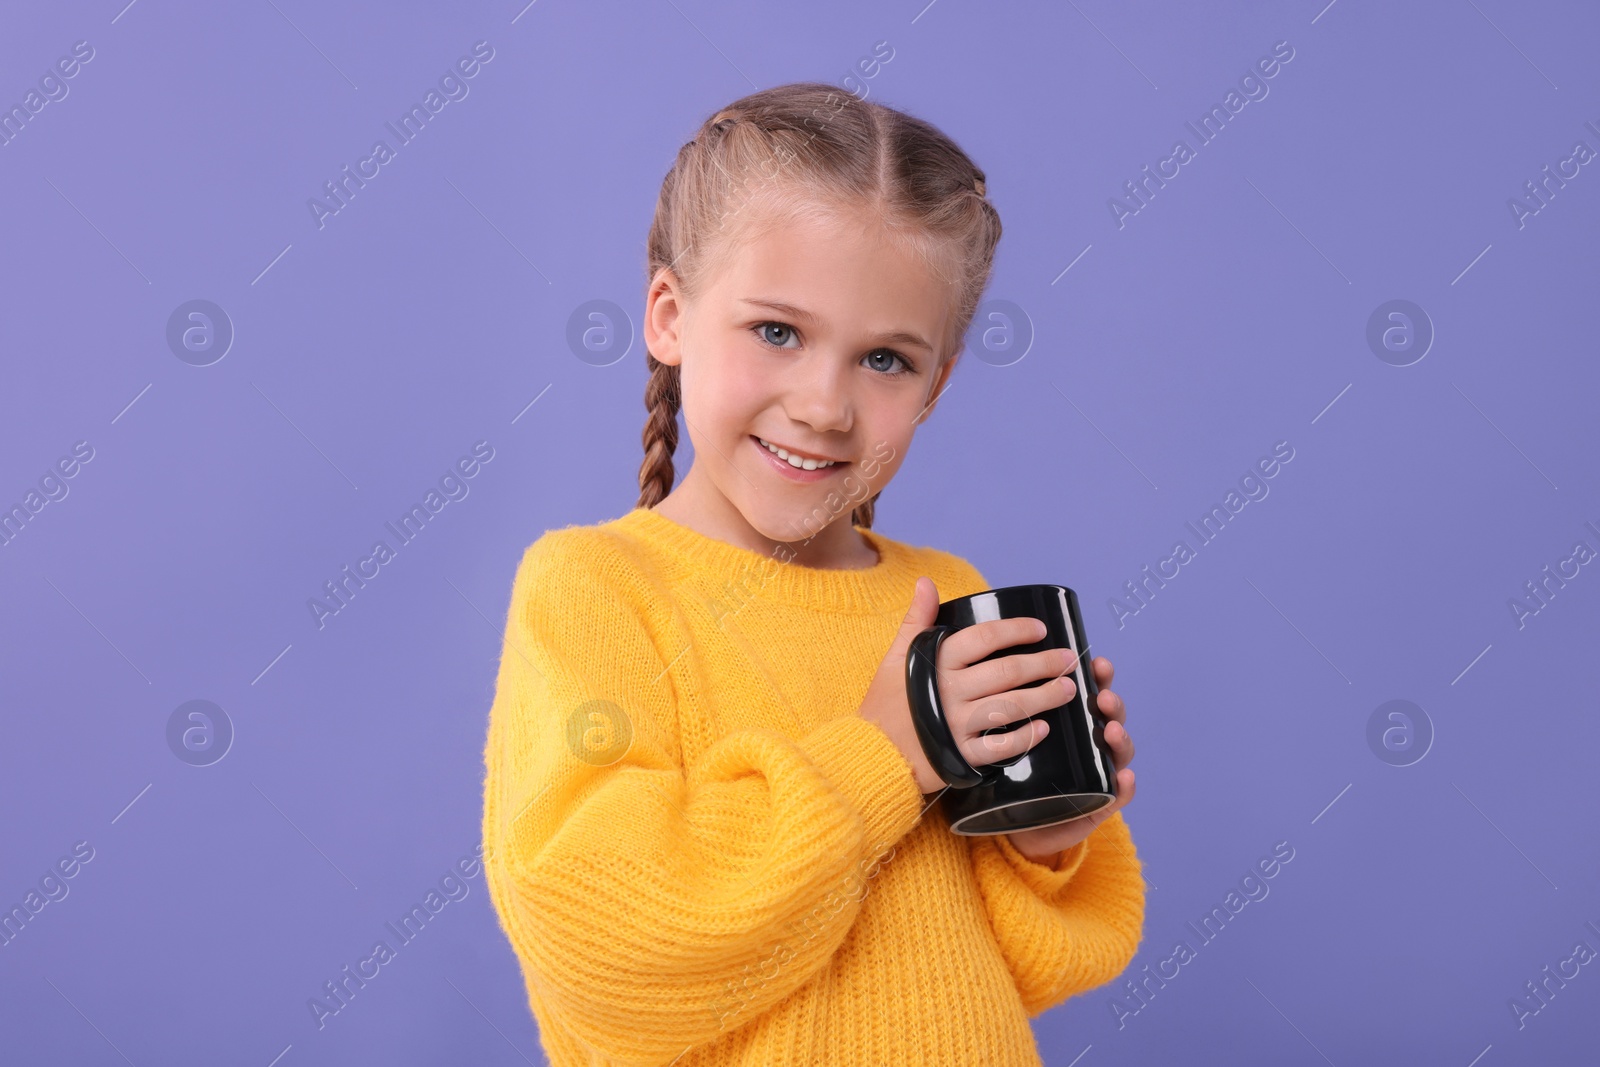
point(583, 608)
point(582, 571)
point(585, 553)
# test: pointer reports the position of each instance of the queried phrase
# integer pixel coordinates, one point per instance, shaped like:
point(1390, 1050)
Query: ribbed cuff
point(1045, 882)
point(861, 761)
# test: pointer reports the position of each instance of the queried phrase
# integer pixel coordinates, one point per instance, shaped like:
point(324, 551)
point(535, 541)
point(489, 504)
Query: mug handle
point(927, 710)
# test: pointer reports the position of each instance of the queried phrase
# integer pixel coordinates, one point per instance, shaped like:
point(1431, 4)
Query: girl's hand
point(976, 696)
point(1045, 844)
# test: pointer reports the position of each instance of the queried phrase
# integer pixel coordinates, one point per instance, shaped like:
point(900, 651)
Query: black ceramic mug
point(1067, 775)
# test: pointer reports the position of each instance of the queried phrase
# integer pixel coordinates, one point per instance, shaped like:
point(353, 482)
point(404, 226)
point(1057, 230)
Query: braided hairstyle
point(796, 148)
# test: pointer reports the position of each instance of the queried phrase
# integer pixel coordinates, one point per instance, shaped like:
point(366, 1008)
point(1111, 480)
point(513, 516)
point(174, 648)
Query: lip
point(795, 474)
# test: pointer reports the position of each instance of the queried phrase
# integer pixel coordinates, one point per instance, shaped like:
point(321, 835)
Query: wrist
point(1044, 859)
point(922, 773)
point(927, 779)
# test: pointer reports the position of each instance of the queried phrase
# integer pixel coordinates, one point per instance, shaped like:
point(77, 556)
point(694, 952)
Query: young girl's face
point(818, 337)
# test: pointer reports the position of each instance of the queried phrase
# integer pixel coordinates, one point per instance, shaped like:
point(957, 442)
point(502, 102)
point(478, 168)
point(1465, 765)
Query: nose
point(819, 395)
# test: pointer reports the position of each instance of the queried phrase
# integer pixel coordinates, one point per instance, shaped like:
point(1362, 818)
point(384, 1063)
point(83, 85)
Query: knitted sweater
point(702, 855)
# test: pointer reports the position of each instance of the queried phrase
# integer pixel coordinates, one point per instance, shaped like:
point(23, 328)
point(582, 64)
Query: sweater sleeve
point(653, 905)
point(1066, 929)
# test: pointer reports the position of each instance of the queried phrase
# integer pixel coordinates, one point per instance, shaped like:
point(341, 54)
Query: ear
point(663, 318)
point(939, 383)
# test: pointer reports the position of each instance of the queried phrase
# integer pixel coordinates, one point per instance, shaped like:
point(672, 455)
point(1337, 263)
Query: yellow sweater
point(702, 855)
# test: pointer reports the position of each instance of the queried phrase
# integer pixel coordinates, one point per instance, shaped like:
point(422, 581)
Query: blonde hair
point(797, 149)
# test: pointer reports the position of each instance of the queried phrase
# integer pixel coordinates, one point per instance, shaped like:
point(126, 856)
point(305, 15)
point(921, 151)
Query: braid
point(862, 516)
point(660, 435)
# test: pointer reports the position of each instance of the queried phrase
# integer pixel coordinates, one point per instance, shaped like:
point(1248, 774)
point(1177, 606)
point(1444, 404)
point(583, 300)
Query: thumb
point(924, 609)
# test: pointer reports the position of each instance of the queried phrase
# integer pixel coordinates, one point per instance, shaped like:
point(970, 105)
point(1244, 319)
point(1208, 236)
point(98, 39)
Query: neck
point(697, 504)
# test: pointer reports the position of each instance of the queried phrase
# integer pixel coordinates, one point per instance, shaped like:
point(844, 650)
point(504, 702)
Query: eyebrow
point(789, 310)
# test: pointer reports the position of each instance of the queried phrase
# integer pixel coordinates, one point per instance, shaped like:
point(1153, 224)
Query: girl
point(708, 823)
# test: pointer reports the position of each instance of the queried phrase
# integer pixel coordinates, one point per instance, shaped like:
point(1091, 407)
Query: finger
point(972, 718)
point(1124, 786)
point(1121, 743)
point(994, 722)
point(1125, 789)
point(1111, 706)
point(1007, 672)
point(1103, 671)
point(992, 748)
point(971, 643)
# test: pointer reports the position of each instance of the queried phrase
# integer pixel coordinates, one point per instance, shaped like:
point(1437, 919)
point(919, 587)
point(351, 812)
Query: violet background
point(1229, 314)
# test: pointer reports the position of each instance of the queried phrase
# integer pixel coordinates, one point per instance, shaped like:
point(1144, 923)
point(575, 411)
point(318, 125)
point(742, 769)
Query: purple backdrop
point(1337, 267)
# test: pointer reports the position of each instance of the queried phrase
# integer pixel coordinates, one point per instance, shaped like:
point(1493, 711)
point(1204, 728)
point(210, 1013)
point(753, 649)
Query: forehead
point(842, 264)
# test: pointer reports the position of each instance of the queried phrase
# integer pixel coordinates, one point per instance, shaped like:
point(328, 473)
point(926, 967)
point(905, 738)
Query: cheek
point(884, 470)
point(722, 388)
point(886, 441)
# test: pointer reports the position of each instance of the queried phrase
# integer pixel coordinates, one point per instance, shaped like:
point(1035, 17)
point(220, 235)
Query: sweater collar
point(884, 586)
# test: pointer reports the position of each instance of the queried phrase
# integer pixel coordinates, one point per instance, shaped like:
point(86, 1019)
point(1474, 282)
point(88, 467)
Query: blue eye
point(767, 329)
point(890, 354)
point(883, 360)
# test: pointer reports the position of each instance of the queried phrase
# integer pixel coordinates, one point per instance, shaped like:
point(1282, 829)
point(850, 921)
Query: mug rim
point(1007, 589)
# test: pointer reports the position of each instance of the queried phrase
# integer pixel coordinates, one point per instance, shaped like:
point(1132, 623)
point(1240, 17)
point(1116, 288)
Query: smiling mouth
point(797, 466)
point(798, 460)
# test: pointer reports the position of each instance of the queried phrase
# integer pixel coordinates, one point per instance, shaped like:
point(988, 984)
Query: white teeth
point(793, 460)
